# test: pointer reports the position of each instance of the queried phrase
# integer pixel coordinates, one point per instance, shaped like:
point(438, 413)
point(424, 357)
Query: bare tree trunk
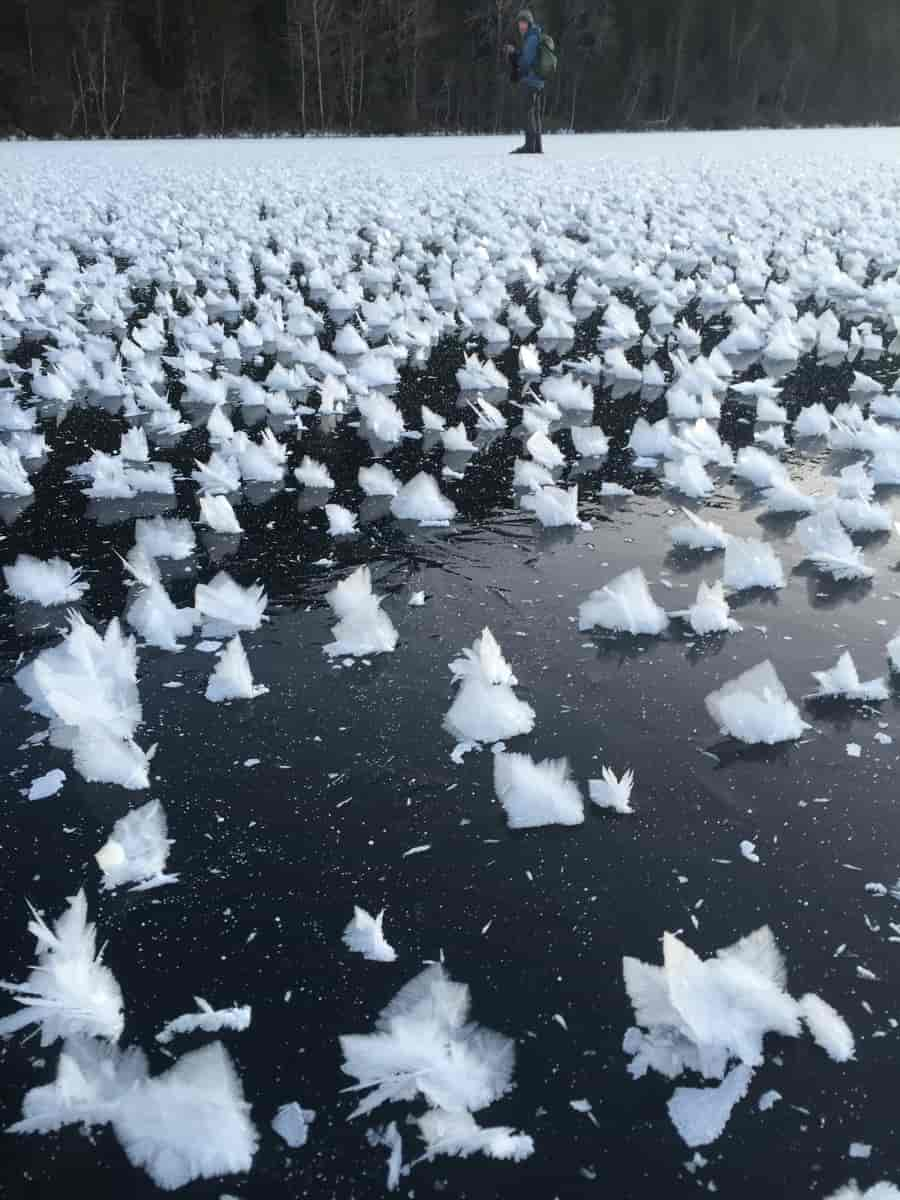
point(318, 40)
point(29, 40)
point(362, 83)
point(678, 63)
point(414, 73)
point(295, 26)
point(79, 102)
point(302, 82)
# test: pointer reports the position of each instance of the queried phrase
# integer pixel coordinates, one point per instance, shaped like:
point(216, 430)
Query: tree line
point(134, 68)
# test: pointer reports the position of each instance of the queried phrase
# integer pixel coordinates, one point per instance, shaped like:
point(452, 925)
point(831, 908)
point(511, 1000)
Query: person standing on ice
point(524, 64)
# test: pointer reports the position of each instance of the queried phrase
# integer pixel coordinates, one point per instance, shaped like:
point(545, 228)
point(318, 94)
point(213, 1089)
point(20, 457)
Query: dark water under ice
point(351, 769)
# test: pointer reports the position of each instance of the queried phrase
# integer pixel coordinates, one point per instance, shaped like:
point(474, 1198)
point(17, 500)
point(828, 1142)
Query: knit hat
point(526, 15)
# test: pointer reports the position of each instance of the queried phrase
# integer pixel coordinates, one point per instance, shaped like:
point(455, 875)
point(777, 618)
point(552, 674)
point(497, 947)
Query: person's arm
point(528, 57)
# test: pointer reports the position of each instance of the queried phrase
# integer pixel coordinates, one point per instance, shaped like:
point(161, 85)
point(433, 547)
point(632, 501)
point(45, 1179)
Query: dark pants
point(533, 108)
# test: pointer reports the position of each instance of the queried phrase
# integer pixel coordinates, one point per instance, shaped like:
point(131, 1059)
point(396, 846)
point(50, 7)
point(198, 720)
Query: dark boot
point(537, 144)
point(521, 150)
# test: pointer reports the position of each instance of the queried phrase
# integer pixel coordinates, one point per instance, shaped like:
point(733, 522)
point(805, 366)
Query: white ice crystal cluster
point(362, 627)
point(426, 1048)
point(191, 1122)
point(755, 707)
point(87, 688)
point(710, 1017)
point(486, 709)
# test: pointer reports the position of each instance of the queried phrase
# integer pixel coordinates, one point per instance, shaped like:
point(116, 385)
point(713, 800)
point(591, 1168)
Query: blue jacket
point(528, 59)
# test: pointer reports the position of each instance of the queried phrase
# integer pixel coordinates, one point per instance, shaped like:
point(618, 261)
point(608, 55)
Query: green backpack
point(548, 60)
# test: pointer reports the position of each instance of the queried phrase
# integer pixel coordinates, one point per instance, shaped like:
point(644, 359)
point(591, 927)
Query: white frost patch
point(537, 793)
point(46, 583)
point(755, 707)
point(830, 549)
point(624, 605)
point(425, 1045)
point(555, 507)
point(879, 1191)
point(362, 627)
point(842, 681)
point(227, 608)
point(364, 935)
point(828, 1028)
point(699, 534)
point(137, 850)
point(709, 1016)
point(69, 993)
point(701, 1114)
point(87, 688)
point(422, 500)
point(486, 709)
point(750, 563)
point(459, 1134)
point(190, 1123)
point(613, 792)
point(232, 678)
point(207, 1019)
point(710, 612)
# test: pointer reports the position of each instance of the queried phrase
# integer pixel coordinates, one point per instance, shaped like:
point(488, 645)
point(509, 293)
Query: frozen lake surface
point(138, 283)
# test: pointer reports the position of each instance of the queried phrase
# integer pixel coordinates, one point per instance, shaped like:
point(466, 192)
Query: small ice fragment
point(460, 750)
point(854, 750)
point(701, 1114)
point(561, 1021)
point(364, 935)
point(416, 850)
point(417, 600)
point(232, 678)
point(47, 785)
point(769, 1099)
point(292, 1123)
point(391, 1140)
point(610, 792)
point(208, 1019)
point(859, 1150)
point(456, 1132)
point(748, 849)
point(828, 1028)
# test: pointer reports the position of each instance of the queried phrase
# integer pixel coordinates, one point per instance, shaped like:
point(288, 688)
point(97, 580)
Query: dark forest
point(134, 68)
